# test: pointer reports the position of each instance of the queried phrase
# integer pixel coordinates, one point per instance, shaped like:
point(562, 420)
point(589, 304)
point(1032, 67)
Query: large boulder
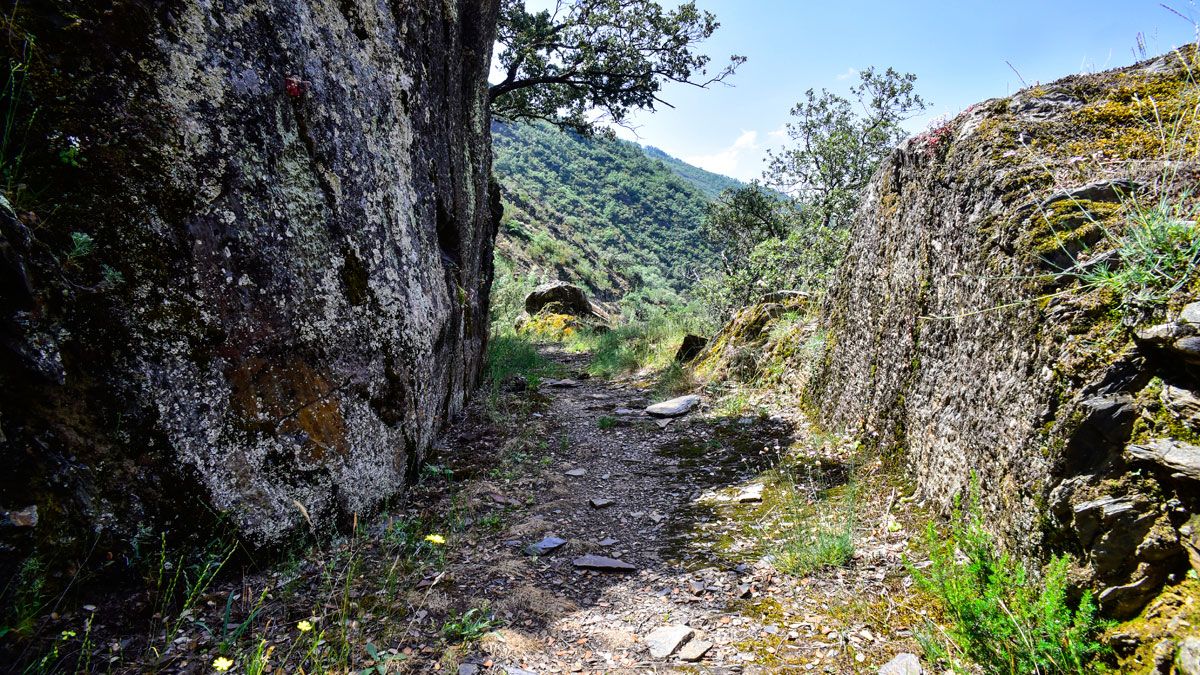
point(959, 334)
point(263, 289)
point(559, 297)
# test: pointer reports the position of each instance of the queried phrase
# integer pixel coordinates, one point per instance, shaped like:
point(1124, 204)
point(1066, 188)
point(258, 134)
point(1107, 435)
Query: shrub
point(1000, 618)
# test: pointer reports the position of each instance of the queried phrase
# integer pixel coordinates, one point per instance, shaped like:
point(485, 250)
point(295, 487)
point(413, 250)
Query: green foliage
point(769, 242)
point(610, 56)
point(810, 551)
point(711, 184)
point(470, 625)
point(606, 422)
point(596, 212)
point(509, 289)
point(82, 245)
point(17, 119)
point(638, 345)
point(1001, 619)
point(766, 243)
point(510, 354)
point(838, 142)
point(820, 529)
point(24, 597)
point(674, 379)
point(406, 540)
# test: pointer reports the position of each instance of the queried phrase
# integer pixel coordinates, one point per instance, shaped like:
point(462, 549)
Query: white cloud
point(731, 160)
point(852, 72)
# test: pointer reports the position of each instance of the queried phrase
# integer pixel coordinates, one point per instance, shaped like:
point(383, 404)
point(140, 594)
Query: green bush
point(1002, 619)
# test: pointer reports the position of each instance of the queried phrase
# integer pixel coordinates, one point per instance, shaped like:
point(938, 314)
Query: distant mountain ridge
point(711, 184)
point(613, 216)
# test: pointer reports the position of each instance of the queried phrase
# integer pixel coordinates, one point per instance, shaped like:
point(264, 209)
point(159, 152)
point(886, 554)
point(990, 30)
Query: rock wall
point(246, 278)
point(959, 332)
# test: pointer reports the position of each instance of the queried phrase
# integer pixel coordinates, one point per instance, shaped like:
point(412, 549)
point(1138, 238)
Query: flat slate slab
point(694, 650)
point(750, 493)
point(545, 546)
point(666, 640)
point(903, 664)
point(602, 564)
point(600, 502)
point(576, 473)
point(1182, 458)
point(674, 407)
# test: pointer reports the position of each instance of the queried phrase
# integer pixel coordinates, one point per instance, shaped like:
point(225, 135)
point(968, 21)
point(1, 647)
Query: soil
point(578, 459)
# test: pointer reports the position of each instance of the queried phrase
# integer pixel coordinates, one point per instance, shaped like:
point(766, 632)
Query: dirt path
point(675, 501)
point(698, 512)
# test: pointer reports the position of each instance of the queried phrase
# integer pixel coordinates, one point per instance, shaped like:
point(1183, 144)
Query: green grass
point(818, 536)
point(1001, 617)
point(510, 354)
point(606, 422)
point(1158, 255)
point(468, 626)
point(648, 344)
point(674, 379)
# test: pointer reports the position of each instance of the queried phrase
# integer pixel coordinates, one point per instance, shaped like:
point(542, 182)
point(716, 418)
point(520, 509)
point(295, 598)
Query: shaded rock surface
point(690, 348)
point(284, 294)
point(558, 297)
point(953, 334)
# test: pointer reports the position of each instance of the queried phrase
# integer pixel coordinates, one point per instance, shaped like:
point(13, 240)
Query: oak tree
point(590, 60)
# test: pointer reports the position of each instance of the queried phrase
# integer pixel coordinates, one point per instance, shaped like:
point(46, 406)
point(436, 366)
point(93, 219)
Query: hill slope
point(606, 214)
point(711, 184)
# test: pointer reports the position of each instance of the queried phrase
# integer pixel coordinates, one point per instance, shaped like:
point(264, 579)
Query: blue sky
point(957, 48)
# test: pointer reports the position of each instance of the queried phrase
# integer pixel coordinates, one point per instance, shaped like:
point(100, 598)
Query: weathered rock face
point(249, 275)
point(953, 337)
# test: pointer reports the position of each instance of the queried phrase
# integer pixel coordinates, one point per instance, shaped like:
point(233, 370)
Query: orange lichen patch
point(286, 398)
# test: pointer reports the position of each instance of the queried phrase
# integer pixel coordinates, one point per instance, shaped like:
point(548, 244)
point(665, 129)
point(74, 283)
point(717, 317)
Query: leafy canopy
point(837, 143)
point(598, 56)
point(794, 236)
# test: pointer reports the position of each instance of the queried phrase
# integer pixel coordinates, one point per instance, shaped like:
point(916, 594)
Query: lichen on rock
point(292, 216)
point(961, 336)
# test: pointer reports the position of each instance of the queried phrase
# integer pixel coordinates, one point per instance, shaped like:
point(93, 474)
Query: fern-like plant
point(1001, 619)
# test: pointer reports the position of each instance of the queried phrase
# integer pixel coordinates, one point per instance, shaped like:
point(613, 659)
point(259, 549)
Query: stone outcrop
point(246, 277)
point(960, 335)
point(558, 297)
point(556, 309)
point(774, 342)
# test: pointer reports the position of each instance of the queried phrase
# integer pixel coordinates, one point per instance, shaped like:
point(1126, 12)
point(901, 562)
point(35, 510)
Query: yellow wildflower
point(435, 539)
point(222, 664)
point(305, 626)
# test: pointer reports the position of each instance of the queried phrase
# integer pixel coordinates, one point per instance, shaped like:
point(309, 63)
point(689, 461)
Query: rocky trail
point(560, 529)
point(652, 542)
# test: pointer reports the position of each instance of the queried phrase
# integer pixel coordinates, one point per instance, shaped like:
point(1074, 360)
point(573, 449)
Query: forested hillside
point(607, 214)
point(711, 184)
